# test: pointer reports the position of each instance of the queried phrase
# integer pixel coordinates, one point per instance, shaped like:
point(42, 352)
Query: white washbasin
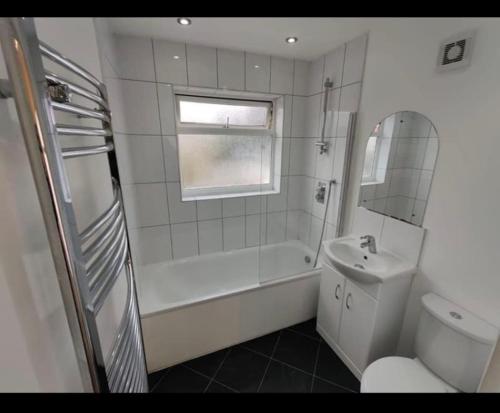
point(358, 263)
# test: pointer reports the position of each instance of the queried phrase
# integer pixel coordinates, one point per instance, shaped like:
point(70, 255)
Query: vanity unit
point(362, 301)
point(364, 291)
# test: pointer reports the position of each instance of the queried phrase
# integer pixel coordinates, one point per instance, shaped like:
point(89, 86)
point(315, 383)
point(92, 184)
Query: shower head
point(328, 83)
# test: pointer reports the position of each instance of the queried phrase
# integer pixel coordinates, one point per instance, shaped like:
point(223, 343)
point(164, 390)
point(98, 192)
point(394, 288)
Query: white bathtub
point(201, 304)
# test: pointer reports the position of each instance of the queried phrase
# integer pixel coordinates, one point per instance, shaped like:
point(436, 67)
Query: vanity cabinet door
point(358, 320)
point(331, 295)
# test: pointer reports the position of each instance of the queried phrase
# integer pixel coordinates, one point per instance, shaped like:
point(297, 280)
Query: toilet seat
point(401, 375)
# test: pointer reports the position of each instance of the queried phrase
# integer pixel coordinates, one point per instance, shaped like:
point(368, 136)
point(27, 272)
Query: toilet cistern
point(370, 243)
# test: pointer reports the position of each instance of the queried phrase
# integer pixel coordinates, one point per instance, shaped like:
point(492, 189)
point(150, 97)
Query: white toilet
point(453, 349)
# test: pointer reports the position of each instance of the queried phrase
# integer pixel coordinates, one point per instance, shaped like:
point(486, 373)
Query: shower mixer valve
point(320, 192)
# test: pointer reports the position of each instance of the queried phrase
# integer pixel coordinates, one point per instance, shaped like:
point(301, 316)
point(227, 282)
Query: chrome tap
point(370, 243)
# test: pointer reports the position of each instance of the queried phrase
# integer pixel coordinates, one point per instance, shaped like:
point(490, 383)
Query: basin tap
point(370, 243)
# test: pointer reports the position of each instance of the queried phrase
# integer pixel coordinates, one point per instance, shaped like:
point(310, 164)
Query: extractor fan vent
point(456, 51)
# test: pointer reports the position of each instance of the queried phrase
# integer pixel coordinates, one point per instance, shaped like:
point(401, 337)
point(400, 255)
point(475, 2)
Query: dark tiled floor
point(295, 359)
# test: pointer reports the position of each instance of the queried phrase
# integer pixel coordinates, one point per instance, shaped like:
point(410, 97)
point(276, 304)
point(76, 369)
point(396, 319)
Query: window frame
point(192, 128)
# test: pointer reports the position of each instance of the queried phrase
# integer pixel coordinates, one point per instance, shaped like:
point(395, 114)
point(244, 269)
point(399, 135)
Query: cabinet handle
point(336, 291)
point(347, 301)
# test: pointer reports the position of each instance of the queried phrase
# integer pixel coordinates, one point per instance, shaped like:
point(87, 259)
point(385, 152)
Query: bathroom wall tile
point(292, 224)
point(171, 158)
point(210, 236)
point(255, 204)
point(258, 72)
point(201, 66)
point(184, 240)
point(297, 150)
point(294, 192)
point(300, 77)
point(209, 209)
point(315, 83)
point(339, 159)
point(167, 111)
point(354, 60)
point(255, 233)
point(313, 107)
point(281, 75)
point(304, 227)
point(367, 223)
point(298, 116)
point(233, 233)
point(151, 245)
point(424, 184)
point(324, 162)
point(334, 64)
point(140, 158)
point(349, 102)
point(307, 194)
point(402, 238)
point(278, 202)
point(310, 155)
point(134, 57)
point(276, 227)
point(332, 114)
point(140, 107)
point(146, 204)
point(287, 121)
point(179, 211)
point(285, 156)
point(231, 69)
point(315, 233)
point(170, 69)
point(233, 207)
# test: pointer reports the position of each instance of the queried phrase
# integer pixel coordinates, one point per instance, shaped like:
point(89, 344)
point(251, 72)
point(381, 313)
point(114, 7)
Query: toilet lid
point(401, 375)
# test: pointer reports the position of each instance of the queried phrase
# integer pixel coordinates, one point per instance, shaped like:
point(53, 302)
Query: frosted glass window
point(224, 112)
point(226, 146)
point(211, 161)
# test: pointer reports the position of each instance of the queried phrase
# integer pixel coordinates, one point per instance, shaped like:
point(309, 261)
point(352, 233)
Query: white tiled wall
point(397, 236)
point(162, 226)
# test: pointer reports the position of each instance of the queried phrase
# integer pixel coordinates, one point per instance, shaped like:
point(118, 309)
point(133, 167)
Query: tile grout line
point(216, 371)
point(163, 153)
point(161, 379)
point(269, 362)
point(315, 365)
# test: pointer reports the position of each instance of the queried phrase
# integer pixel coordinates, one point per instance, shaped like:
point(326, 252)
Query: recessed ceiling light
point(176, 57)
point(292, 39)
point(256, 66)
point(184, 21)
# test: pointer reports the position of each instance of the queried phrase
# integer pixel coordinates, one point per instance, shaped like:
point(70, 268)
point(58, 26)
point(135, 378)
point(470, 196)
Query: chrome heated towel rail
point(88, 263)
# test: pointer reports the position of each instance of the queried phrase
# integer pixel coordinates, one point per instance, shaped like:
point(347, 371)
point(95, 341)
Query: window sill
point(233, 195)
point(367, 183)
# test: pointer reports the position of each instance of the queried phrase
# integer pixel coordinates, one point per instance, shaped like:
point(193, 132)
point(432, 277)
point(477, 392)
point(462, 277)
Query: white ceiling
point(254, 34)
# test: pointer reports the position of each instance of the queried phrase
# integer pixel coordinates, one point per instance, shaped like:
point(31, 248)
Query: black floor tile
point(331, 368)
point(280, 378)
point(155, 377)
point(181, 380)
point(264, 344)
point(297, 350)
point(242, 370)
point(307, 328)
point(321, 386)
point(218, 388)
point(208, 364)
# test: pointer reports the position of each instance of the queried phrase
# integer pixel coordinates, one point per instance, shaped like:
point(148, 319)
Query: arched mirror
point(400, 157)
